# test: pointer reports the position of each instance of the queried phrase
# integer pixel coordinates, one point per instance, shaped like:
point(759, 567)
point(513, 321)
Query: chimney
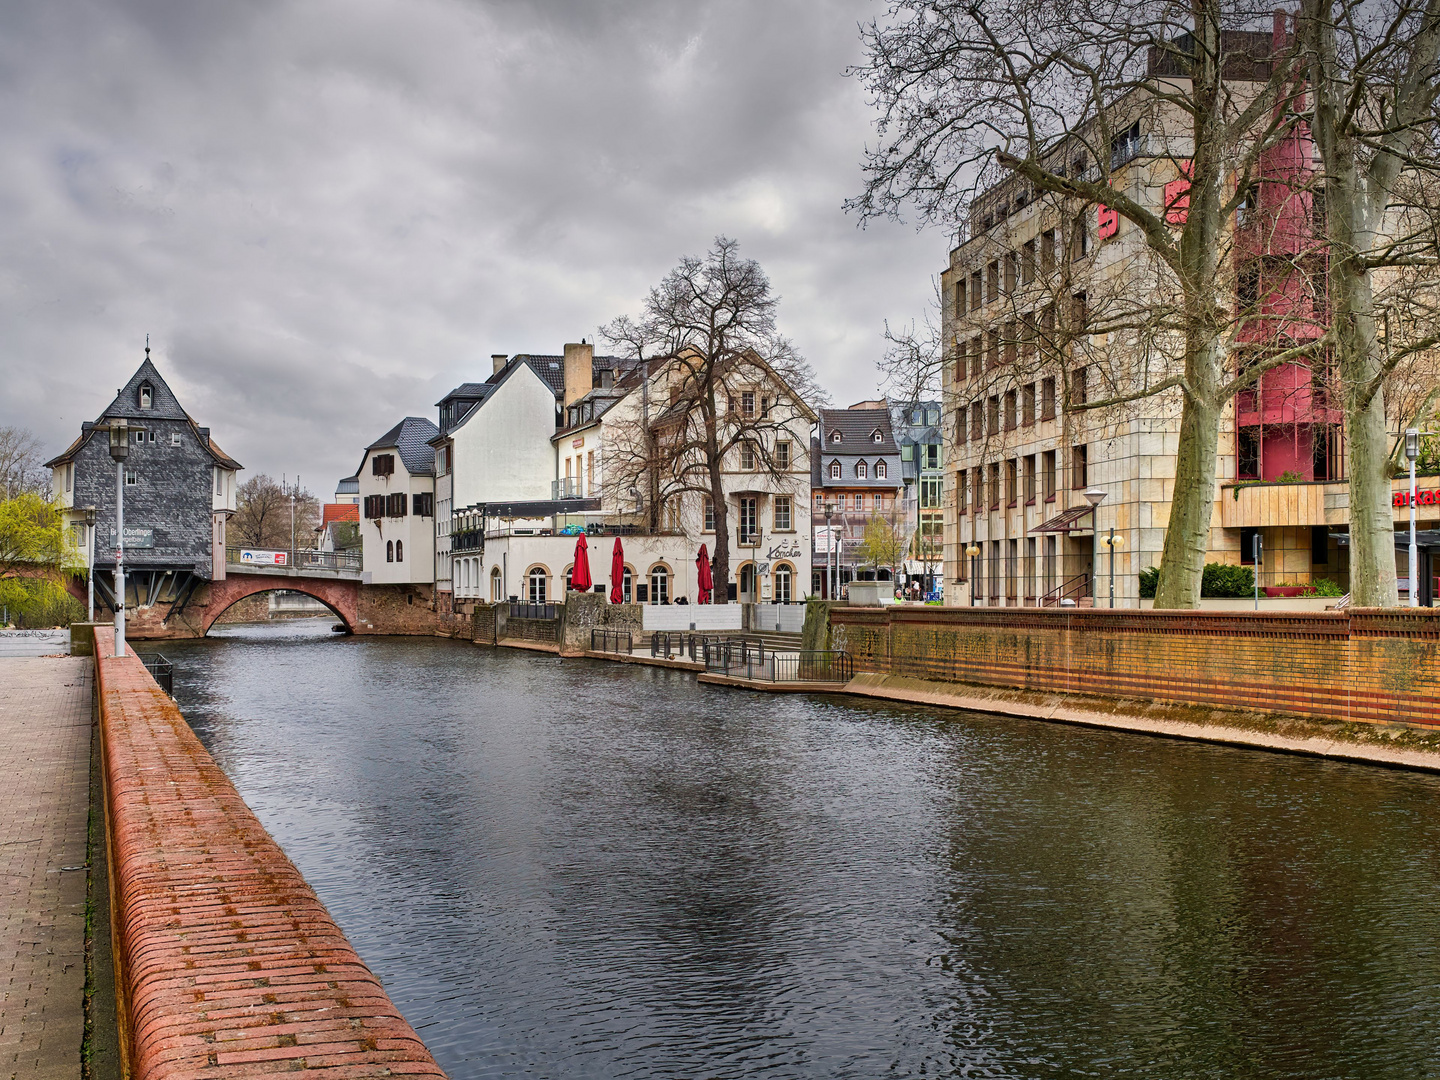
point(499, 359)
point(579, 372)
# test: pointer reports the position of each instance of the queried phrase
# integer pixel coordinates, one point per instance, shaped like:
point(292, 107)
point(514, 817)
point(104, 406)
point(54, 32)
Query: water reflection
point(581, 869)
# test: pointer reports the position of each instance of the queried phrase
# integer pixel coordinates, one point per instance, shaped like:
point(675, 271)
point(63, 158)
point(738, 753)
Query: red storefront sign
point(1177, 196)
point(1107, 221)
point(1422, 498)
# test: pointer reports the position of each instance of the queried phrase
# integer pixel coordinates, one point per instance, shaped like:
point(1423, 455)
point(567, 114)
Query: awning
point(1067, 521)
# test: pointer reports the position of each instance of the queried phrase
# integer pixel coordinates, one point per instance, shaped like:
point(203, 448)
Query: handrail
point(607, 636)
point(1064, 590)
point(532, 611)
point(303, 559)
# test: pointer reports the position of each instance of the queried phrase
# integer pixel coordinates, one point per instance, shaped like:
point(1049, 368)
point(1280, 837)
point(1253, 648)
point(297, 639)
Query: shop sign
point(577, 443)
point(136, 538)
point(1422, 498)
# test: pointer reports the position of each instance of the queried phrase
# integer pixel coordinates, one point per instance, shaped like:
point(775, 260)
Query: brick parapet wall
point(1370, 666)
point(228, 965)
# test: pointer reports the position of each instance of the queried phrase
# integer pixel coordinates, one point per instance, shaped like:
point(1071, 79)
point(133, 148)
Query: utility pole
point(119, 451)
point(1412, 451)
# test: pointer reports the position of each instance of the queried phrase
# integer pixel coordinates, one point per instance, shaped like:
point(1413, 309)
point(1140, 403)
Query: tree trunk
point(1372, 528)
point(1187, 536)
point(721, 562)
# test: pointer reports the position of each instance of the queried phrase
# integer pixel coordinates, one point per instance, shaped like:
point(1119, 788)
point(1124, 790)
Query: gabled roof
point(411, 437)
point(338, 512)
point(163, 405)
point(857, 428)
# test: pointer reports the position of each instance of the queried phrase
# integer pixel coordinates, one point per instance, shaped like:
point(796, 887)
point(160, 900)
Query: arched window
point(389, 550)
point(861, 470)
point(659, 584)
point(880, 470)
point(834, 470)
point(537, 578)
point(626, 586)
point(784, 578)
point(399, 550)
point(496, 589)
point(569, 577)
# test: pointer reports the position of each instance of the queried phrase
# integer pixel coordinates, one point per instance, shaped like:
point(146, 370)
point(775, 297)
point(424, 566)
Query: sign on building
point(264, 558)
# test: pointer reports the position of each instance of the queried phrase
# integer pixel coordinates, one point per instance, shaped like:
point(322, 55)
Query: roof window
point(835, 437)
point(876, 436)
point(147, 395)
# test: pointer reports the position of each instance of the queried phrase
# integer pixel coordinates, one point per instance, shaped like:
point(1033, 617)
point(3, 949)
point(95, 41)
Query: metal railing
point(734, 654)
point(682, 643)
point(828, 666)
point(748, 659)
point(1077, 586)
point(603, 640)
point(532, 611)
point(162, 671)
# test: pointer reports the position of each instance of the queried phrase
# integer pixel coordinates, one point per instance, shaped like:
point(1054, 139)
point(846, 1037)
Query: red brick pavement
point(44, 803)
point(230, 965)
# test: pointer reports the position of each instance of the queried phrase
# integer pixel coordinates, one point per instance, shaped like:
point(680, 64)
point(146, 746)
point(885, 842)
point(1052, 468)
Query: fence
point(746, 658)
point(304, 558)
point(603, 640)
point(532, 611)
point(162, 671)
point(680, 643)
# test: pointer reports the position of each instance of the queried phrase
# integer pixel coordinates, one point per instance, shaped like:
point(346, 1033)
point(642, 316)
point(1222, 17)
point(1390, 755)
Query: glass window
point(659, 585)
point(709, 514)
point(399, 550)
point(782, 455)
point(782, 513)
point(537, 585)
point(625, 586)
point(747, 402)
point(130, 479)
point(834, 470)
point(930, 488)
point(747, 520)
point(783, 578)
point(747, 457)
point(389, 550)
point(495, 586)
point(146, 396)
point(907, 452)
point(861, 470)
point(881, 472)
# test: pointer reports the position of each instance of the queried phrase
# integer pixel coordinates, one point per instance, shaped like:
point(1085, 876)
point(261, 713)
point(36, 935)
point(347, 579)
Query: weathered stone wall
point(227, 963)
point(1359, 665)
point(483, 623)
point(583, 612)
point(395, 609)
point(249, 609)
point(543, 630)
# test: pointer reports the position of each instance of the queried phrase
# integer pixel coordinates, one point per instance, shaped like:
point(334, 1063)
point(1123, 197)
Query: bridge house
point(179, 493)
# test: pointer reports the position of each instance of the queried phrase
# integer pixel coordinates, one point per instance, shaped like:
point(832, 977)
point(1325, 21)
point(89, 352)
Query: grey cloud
point(327, 213)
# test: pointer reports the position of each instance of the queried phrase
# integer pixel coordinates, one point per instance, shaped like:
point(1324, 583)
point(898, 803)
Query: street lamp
point(974, 552)
point(1094, 496)
point(120, 450)
point(1112, 542)
point(1412, 451)
point(830, 550)
point(90, 556)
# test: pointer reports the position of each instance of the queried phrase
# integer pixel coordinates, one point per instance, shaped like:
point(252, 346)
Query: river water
point(580, 869)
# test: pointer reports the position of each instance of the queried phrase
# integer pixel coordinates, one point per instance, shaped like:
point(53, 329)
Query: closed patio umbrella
point(702, 575)
point(580, 576)
point(617, 574)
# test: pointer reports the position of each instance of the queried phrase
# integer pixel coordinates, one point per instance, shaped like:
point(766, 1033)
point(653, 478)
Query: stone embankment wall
point(227, 963)
point(1373, 666)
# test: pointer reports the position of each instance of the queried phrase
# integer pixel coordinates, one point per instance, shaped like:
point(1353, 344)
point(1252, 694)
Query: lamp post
point(90, 558)
point(1412, 451)
point(120, 450)
point(1112, 542)
point(829, 550)
point(1094, 496)
point(974, 552)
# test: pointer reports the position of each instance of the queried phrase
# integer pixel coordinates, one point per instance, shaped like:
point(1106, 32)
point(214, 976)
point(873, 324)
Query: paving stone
point(44, 803)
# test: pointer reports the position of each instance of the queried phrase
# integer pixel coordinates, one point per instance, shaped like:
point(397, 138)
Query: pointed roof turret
point(133, 403)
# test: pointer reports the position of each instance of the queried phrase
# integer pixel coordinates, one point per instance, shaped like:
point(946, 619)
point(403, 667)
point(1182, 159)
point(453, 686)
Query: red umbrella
point(617, 574)
point(702, 575)
point(580, 576)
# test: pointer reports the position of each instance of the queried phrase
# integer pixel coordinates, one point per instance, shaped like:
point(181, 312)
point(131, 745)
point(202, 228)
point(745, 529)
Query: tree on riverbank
point(34, 557)
point(21, 463)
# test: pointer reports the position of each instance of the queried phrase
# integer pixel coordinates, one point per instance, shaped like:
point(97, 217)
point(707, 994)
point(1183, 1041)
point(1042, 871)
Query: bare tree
point(21, 468)
point(262, 514)
point(730, 388)
point(1045, 93)
point(1373, 73)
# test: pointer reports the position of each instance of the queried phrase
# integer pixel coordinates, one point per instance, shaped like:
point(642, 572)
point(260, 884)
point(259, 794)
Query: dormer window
point(861, 470)
point(876, 437)
point(834, 470)
point(147, 396)
point(880, 471)
point(835, 437)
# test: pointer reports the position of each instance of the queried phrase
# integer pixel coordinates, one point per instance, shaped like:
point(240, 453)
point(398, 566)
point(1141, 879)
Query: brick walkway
point(44, 796)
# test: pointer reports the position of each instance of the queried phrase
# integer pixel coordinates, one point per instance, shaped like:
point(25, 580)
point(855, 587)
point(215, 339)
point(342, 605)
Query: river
point(581, 869)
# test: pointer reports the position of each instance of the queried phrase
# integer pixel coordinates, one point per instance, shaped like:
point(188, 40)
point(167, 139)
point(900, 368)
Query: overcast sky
point(326, 214)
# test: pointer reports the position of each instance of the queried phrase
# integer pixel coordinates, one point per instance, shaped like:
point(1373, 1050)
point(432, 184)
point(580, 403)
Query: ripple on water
point(582, 869)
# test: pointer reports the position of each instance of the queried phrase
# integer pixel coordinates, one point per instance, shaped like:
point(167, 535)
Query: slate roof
point(856, 426)
point(552, 368)
point(475, 390)
point(350, 485)
point(163, 404)
point(411, 437)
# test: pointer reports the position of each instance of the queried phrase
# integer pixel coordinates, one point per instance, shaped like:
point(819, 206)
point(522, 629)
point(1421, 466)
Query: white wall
point(416, 533)
point(503, 451)
point(692, 617)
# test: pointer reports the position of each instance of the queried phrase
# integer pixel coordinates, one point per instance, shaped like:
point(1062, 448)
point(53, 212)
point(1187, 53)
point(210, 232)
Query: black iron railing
point(827, 666)
point(162, 671)
point(613, 641)
point(681, 644)
point(304, 559)
point(748, 659)
point(532, 611)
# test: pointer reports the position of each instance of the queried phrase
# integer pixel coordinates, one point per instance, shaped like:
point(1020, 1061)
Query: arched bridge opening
point(340, 597)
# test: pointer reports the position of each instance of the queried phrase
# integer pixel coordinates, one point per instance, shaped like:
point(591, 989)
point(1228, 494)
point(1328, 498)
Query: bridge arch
point(341, 597)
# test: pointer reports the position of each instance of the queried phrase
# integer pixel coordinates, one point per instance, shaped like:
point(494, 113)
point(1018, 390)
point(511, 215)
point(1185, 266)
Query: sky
point(326, 214)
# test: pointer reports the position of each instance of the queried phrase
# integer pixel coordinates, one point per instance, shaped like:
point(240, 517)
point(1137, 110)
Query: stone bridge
point(362, 608)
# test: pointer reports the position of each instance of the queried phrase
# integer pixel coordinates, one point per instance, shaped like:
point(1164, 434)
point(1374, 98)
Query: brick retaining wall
point(1374, 666)
point(227, 963)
